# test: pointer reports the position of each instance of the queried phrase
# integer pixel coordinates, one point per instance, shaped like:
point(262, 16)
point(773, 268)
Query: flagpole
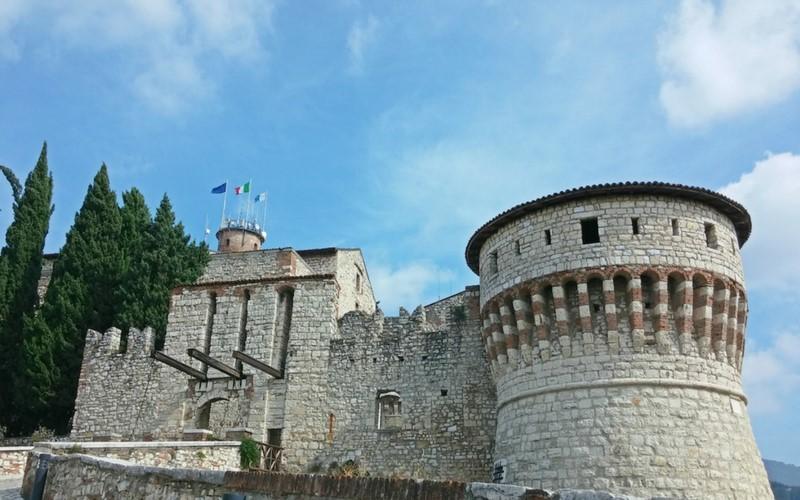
point(250, 190)
point(264, 220)
point(224, 203)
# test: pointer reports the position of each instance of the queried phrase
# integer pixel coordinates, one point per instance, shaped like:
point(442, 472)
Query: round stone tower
point(614, 322)
point(239, 236)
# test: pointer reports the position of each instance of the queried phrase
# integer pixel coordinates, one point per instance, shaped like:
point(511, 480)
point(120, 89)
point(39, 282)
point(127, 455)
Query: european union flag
point(220, 189)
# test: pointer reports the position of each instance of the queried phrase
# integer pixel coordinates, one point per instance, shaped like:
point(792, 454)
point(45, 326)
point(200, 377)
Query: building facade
point(602, 350)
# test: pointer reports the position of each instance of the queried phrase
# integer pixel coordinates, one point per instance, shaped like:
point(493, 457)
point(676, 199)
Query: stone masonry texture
point(605, 360)
point(617, 362)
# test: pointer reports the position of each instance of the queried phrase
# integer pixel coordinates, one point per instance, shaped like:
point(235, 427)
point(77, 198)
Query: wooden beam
point(174, 363)
point(244, 358)
point(214, 363)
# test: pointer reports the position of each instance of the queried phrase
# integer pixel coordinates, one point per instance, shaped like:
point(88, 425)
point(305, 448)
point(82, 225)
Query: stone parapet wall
point(212, 455)
point(258, 264)
point(12, 460)
point(522, 252)
point(82, 476)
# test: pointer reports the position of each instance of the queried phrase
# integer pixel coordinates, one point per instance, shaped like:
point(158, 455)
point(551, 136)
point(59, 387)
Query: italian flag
point(244, 188)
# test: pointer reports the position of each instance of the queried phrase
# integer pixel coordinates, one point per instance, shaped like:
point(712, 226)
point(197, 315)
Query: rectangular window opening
point(547, 239)
point(711, 235)
point(590, 232)
point(517, 249)
point(493, 263)
point(635, 225)
point(444, 392)
point(675, 229)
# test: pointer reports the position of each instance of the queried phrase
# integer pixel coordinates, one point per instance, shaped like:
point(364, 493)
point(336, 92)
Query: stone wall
point(433, 361)
point(120, 394)
point(12, 460)
point(211, 455)
point(130, 395)
point(82, 476)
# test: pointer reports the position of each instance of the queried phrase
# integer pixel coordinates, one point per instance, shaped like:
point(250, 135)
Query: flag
point(220, 189)
point(261, 197)
point(244, 188)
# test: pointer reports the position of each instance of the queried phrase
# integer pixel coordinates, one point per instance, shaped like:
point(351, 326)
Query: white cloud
point(771, 193)
point(408, 286)
point(361, 36)
point(11, 11)
point(771, 376)
point(168, 46)
point(718, 62)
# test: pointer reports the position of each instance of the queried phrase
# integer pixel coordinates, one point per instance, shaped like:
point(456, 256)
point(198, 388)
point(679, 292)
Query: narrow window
point(547, 239)
point(331, 423)
point(227, 242)
point(517, 249)
point(733, 245)
point(212, 310)
point(711, 235)
point(493, 263)
point(243, 327)
point(675, 230)
point(444, 392)
point(590, 233)
point(635, 225)
point(358, 279)
point(274, 436)
point(283, 325)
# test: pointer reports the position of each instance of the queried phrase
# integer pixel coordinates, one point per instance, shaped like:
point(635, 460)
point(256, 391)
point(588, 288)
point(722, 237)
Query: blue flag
point(220, 189)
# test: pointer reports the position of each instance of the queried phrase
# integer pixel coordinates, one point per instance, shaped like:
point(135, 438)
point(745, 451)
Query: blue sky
point(401, 127)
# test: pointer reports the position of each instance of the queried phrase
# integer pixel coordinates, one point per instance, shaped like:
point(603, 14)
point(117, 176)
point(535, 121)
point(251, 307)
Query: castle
point(602, 350)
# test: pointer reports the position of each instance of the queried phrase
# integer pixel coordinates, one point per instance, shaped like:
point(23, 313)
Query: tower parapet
point(614, 322)
point(240, 236)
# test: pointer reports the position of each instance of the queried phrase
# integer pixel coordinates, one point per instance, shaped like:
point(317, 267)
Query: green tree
point(20, 267)
point(134, 285)
point(81, 295)
point(172, 260)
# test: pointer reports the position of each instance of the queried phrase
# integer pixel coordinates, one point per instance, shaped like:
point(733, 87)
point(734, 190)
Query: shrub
point(75, 448)
point(42, 434)
point(249, 453)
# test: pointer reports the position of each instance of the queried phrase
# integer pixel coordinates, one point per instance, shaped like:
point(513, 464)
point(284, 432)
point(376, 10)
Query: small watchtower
point(240, 236)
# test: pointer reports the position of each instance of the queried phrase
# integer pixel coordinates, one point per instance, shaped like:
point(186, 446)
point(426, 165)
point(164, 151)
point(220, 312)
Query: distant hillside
point(785, 474)
point(783, 492)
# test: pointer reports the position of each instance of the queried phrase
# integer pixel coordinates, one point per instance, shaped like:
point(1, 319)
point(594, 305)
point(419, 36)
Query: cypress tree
point(81, 295)
point(172, 260)
point(134, 288)
point(21, 266)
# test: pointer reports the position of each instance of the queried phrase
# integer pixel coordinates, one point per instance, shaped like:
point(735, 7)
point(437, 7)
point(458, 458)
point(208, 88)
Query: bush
point(348, 469)
point(75, 448)
point(249, 453)
point(42, 434)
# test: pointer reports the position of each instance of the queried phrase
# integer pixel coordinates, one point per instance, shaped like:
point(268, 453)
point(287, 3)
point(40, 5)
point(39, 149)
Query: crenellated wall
point(442, 421)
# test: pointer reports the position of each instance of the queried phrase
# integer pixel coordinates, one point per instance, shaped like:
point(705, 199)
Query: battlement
point(139, 342)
